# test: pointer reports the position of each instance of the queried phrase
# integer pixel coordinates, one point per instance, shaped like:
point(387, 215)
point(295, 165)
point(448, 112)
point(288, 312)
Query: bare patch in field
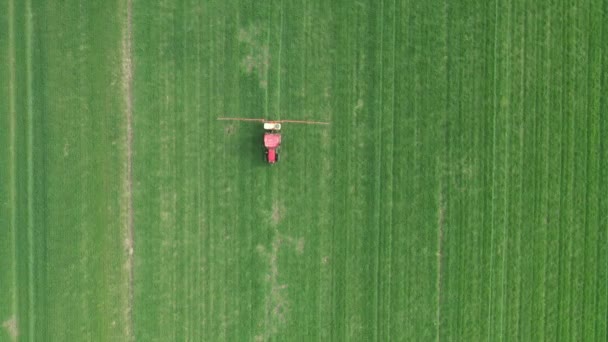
point(66, 149)
point(300, 246)
point(325, 260)
point(11, 327)
point(261, 249)
point(257, 53)
point(463, 174)
point(276, 305)
point(359, 105)
point(129, 248)
point(276, 214)
point(441, 218)
point(229, 129)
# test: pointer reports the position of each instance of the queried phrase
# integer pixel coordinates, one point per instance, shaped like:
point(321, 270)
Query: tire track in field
point(30, 165)
point(547, 168)
point(12, 324)
point(379, 178)
point(507, 161)
point(278, 112)
point(538, 269)
point(85, 185)
point(522, 175)
point(391, 180)
point(562, 177)
point(588, 168)
point(441, 200)
point(493, 187)
point(603, 155)
point(440, 233)
point(127, 83)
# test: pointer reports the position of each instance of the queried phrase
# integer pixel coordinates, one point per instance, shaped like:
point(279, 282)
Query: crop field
point(459, 193)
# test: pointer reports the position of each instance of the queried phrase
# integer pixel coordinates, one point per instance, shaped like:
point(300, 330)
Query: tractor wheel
point(277, 157)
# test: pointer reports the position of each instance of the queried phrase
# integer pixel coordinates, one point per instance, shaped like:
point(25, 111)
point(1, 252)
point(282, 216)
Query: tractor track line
point(127, 83)
point(29, 32)
point(392, 179)
point(507, 117)
point(493, 177)
point(442, 195)
point(12, 154)
point(378, 186)
point(440, 260)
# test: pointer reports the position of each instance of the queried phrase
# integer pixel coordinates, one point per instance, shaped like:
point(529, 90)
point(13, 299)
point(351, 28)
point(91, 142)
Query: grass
point(64, 164)
point(456, 195)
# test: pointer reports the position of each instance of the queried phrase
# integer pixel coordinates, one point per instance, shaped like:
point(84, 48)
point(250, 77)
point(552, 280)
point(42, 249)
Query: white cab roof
point(272, 126)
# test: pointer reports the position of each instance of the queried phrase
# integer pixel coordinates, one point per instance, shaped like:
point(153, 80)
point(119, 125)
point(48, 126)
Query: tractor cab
point(272, 126)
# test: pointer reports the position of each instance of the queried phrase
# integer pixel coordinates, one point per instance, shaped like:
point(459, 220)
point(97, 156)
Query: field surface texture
point(459, 193)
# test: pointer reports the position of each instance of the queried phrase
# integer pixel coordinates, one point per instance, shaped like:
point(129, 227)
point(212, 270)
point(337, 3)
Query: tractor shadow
point(254, 141)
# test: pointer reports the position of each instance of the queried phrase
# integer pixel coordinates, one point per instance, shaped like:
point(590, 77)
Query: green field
point(459, 193)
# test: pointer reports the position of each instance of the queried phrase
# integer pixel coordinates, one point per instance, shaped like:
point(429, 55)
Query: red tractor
point(272, 135)
point(272, 141)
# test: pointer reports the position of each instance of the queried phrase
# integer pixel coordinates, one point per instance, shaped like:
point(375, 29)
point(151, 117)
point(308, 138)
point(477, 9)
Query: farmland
point(458, 194)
